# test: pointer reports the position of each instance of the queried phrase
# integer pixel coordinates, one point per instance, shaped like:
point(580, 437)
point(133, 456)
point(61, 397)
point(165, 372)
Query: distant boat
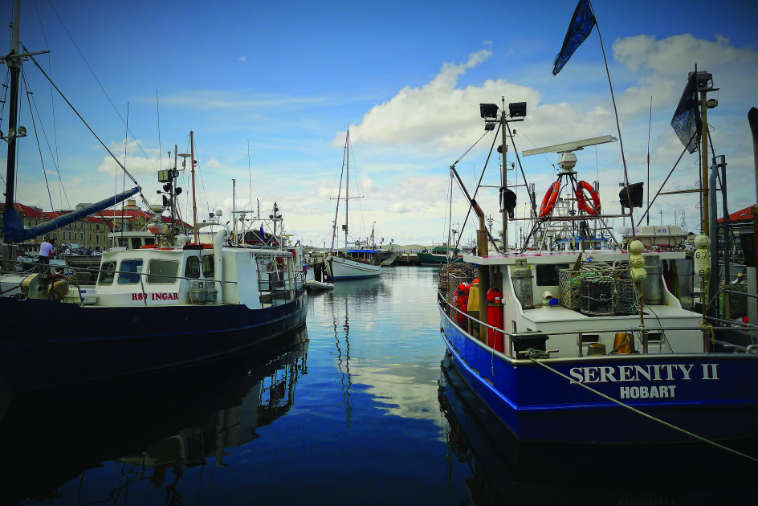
point(438, 255)
point(351, 263)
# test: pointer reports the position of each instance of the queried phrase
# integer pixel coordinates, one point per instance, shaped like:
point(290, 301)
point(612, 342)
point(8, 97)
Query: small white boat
point(318, 286)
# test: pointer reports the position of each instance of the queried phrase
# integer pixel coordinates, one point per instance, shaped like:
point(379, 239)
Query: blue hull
point(538, 405)
point(48, 343)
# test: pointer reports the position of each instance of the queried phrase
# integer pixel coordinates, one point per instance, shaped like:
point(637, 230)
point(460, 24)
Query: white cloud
point(242, 59)
point(139, 159)
point(676, 55)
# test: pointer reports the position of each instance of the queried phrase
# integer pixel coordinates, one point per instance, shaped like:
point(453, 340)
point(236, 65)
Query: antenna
point(567, 159)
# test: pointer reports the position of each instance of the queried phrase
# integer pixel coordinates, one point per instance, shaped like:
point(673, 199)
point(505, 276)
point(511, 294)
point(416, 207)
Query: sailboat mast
point(14, 64)
point(194, 205)
point(347, 184)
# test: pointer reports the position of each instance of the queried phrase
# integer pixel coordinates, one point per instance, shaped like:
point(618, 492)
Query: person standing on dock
point(45, 251)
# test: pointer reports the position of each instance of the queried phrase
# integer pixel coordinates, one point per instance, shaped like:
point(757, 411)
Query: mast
point(234, 210)
point(194, 205)
point(704, 151)
point(503, 129)
point(347, 185)
point(14, 65)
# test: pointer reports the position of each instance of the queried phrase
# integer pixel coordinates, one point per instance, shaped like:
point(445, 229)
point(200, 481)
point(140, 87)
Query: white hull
point(343, 268)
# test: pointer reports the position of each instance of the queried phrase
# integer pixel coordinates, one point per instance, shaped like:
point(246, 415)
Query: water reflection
point(343, 365)
point(144, 429)
point(503, 471)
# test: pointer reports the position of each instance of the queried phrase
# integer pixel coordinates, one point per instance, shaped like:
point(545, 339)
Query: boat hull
point(434, 259)
point(49, 343)
point(344, 268)
point(538, 405)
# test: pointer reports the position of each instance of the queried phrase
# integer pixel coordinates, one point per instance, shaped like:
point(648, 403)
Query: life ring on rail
point(548, 201)
point(581, 201)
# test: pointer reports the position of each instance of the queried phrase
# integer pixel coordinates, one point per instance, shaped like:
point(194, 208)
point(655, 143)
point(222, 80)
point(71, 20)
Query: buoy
point(548, 201)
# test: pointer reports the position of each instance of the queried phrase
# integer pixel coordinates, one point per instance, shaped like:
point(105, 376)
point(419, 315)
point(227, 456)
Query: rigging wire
point(92, 71)
point(123, 176)
point(476, 190)
point(339, 194)
point(202, 180)
point(36, 136)
point(53, 156)
point(158, 115)
point(2, 104)
point(667, 178)
point(36, 63)
point(52, 103)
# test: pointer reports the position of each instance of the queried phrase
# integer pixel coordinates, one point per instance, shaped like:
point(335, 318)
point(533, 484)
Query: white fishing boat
point(177, 301)
point(350, 263)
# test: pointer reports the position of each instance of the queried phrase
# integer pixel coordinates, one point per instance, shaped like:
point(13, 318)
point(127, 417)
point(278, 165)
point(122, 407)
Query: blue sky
point(407, 77)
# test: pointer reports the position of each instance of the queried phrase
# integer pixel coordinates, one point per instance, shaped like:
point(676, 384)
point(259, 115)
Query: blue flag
point(580, 27)
point(686, 121)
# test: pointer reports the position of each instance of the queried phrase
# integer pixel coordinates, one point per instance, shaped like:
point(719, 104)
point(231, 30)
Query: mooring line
point(646, 415)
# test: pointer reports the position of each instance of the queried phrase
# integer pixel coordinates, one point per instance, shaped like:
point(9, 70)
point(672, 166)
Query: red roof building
point(747, 214)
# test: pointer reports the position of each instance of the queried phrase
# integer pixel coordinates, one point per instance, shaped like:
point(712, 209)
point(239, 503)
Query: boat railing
point(521, 344)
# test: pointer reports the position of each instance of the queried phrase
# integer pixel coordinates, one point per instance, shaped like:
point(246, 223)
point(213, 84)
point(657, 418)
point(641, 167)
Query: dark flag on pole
point(686, 121)
point(580, 27)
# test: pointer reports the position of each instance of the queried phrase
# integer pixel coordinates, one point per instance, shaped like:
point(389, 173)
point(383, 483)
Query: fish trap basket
point(597, 296)
point(569, 282)
point(624, 302)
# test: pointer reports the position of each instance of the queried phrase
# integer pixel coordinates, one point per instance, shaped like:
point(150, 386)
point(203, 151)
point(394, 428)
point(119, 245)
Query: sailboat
point(355, 263)
point(184, 299)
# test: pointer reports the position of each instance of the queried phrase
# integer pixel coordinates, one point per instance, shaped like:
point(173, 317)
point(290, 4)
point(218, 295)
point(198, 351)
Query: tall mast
point(194, 205)
point(347, 185)
point(503, 128)
point(14, 64)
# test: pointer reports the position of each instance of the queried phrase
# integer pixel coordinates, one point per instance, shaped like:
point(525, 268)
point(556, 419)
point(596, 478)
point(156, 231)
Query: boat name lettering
point(651, 392)
point(155, 296)
point(648, 372)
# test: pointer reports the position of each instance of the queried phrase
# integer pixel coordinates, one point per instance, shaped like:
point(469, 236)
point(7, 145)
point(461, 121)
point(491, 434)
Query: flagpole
point(618, 126)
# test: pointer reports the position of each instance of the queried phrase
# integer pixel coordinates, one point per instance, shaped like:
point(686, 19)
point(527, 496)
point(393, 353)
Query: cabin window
point(149, 240)
point(136, 243)
point(547, 275)
point(123, 242)
point(654, 336)
point(163, 271)
point(192, 268)
point(129, 272)
point(107, 273)
point(208, 266)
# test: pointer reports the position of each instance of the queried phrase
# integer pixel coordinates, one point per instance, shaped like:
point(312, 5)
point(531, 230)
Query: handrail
point(567, 332)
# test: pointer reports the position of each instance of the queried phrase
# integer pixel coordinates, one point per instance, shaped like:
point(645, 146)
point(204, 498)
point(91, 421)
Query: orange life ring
point(581, 201)
point(548, 201)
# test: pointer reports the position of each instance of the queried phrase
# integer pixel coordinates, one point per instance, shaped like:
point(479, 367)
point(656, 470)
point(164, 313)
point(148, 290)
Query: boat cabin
point(197, 275)
point(548, 304)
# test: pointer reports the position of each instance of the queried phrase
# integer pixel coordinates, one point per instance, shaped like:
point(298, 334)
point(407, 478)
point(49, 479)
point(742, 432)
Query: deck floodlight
point(489, 125)
point(164, 176)
point(488, 111)
point(517, 109)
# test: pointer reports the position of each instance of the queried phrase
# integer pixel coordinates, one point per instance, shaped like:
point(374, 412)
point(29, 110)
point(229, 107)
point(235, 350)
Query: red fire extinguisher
point(461, 302)
point(495, 318)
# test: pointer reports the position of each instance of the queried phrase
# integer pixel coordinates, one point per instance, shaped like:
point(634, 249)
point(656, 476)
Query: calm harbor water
point(355, 409)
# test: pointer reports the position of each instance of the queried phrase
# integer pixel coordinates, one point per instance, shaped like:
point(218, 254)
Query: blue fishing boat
point(590, 346)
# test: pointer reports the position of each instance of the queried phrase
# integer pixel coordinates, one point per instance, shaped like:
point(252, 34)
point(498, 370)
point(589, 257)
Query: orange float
point(548, 201)
point(581, 200)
